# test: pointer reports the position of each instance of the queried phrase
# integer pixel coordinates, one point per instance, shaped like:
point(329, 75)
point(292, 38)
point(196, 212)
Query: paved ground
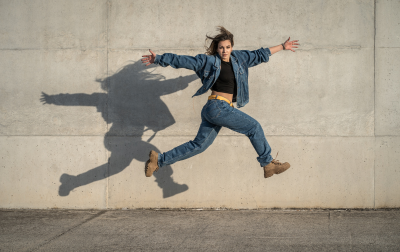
point(199, 230)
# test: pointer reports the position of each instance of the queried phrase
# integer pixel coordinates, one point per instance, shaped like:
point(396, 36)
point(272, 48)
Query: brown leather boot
point(275, 167)
point(151, 164)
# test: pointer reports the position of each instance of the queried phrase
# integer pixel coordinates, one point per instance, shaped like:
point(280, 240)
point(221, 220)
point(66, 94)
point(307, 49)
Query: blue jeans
point(214, 115)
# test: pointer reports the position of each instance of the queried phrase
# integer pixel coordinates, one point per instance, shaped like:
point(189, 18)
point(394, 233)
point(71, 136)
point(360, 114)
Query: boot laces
point(274, 161)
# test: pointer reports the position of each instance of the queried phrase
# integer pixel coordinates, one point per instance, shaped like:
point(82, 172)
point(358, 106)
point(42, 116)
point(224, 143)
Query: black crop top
point(226, 80)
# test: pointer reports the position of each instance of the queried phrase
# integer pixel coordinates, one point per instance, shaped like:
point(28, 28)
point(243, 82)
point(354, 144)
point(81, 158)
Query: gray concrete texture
point(245, 230)
point(79, 112)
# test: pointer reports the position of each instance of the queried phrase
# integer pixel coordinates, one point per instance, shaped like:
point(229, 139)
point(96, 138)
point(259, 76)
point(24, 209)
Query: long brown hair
point(223, 35)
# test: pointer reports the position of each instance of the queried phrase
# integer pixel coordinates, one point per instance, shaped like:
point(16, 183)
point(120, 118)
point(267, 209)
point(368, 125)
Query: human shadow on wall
point(133, 105)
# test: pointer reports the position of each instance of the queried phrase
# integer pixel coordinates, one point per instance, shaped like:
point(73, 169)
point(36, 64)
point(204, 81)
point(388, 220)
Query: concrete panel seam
point(52, 135)
point(193, 135)
point(54, 49)
point(108, 4)
point(344, 47)
point(219, 136)
point(374, 100)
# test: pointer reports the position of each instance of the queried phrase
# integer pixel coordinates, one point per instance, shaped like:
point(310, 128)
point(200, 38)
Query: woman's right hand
point(290, 44)
point(149, 59)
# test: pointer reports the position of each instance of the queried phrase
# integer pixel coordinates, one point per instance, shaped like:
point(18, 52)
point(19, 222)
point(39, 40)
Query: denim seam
point(241, 68)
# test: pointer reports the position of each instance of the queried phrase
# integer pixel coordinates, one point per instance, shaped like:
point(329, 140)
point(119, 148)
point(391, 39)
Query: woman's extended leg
point(205, 137)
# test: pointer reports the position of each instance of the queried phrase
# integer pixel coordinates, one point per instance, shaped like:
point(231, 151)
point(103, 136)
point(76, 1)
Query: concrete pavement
point(199, 230)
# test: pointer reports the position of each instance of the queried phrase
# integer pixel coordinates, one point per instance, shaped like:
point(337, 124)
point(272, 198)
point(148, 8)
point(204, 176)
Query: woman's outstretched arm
point(287, 45)
point(175, 61)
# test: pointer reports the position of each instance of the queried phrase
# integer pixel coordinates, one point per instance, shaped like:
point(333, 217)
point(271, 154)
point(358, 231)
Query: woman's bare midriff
point(226, 95)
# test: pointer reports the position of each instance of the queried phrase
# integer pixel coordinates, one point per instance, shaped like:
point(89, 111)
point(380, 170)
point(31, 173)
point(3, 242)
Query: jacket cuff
point(268, 52)
point(157, 59)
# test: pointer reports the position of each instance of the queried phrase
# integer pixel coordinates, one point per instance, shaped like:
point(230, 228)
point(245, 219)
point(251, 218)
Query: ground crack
point(69, 230)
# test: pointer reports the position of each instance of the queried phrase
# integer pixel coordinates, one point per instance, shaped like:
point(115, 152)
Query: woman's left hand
point(149, 59)
point(289, 45)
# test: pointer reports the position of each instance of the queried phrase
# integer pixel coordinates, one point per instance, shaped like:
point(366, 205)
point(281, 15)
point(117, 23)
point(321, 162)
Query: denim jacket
point(208, 67)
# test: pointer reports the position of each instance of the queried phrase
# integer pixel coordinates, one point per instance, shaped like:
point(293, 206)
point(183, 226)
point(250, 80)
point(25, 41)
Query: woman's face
point(224, 50)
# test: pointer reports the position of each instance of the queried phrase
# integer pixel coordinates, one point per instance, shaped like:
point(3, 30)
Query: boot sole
point(271, 172)
point(279, 172)
point(268, 174)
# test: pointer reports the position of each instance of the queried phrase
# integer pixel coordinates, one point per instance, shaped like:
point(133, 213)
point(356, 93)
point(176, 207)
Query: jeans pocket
point(213, 111)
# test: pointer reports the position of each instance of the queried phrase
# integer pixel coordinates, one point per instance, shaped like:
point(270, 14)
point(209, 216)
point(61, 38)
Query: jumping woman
point(225, 72)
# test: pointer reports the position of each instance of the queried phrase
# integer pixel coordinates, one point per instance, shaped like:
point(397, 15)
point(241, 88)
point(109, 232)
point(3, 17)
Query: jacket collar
point(217, 62)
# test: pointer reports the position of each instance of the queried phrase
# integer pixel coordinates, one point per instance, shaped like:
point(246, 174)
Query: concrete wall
point(79, 111)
